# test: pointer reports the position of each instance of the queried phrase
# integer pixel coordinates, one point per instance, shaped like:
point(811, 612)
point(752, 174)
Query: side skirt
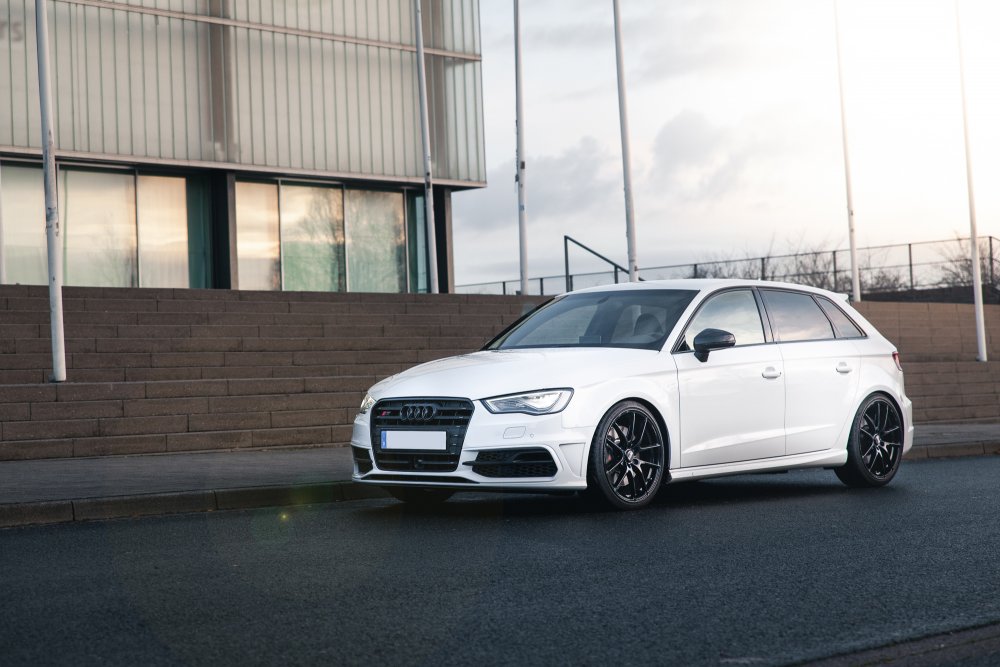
point(825, 459)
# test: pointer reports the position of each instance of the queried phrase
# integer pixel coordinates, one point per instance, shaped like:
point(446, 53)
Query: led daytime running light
point(541, 402)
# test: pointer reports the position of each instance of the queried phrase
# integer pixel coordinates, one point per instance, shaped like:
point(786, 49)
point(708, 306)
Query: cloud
point(573, 183)
point(695, 159)
point(576, 192)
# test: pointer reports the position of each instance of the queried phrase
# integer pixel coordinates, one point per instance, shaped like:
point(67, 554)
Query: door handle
point(843, 368)
point(771, 373)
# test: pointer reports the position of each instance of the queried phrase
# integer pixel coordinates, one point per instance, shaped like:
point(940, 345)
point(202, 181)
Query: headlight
point(366, 404)
point(541, 402)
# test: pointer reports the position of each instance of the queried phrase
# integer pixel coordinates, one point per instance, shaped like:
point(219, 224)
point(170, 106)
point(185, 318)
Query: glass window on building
point(416, 233)
point(174, 231)
point(312, 238)
point(119, 229)
point(258, 248)
point(22, 215)
point(376, 241)
point(296, 236)
point(97, 209)
point(163, 231)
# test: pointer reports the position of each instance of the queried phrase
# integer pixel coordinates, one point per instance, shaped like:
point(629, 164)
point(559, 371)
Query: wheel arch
point(880, 391)
point(660, 421)
point(653, 410)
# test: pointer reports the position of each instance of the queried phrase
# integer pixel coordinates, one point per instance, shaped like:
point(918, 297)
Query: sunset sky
point(735, 124)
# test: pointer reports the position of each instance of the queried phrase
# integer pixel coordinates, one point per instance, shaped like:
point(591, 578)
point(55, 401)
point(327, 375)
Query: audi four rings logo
point(418, 412)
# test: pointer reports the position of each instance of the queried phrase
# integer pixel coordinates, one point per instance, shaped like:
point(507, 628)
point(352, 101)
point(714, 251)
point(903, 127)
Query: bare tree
point(956, 267)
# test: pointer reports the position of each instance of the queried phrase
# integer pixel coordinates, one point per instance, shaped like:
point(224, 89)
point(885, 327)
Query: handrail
point(569, 277)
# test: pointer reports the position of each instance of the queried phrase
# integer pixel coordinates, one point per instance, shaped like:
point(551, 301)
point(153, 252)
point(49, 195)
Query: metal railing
point(883, 269)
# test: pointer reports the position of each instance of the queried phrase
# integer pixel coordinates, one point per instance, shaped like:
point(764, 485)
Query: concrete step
point(89, 419)
point(157, 443)
point(159, 344)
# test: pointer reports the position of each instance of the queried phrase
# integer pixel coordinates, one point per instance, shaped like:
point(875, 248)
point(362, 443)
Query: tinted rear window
point(795, 316)
point(841, 323)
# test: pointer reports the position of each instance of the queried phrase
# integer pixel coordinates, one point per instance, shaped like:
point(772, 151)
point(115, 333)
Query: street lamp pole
point(52, 231)
point(425, 137)
point(522, 216)
point(855, 270)
point(633, 265)
point(977, 279)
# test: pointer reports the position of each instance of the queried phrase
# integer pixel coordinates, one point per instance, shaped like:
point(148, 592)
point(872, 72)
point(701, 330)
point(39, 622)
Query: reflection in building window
point(376, 241)
point(163, 231)
point(312, 238)
point(99, 233)
point(257, 242)
point(416, 232)
point(22, 206)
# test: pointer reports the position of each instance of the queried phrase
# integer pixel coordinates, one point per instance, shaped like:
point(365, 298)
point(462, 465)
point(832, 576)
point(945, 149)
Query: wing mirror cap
point(712, 339)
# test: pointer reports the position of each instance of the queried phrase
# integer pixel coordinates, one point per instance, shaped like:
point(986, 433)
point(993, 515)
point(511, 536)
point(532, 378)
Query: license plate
point(422, 440)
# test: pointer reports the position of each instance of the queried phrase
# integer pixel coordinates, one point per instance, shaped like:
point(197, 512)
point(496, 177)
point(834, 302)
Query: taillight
point(895, 357)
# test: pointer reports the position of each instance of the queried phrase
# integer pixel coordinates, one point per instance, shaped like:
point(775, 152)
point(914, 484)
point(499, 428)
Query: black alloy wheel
point(627, 457)
point(876, 445)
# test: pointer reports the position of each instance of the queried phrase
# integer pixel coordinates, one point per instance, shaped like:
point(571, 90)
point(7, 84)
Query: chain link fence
point(887, 269)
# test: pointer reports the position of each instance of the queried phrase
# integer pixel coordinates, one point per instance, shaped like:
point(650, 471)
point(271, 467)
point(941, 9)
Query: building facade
point(250, 144)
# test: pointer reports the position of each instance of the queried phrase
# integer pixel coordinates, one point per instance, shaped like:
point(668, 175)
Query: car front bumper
point(493, 434)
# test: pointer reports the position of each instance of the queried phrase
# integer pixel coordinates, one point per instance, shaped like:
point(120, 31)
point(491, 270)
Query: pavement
point(110, 487)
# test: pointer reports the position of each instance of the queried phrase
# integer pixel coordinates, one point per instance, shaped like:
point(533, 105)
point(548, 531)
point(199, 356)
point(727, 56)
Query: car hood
point(497, 372)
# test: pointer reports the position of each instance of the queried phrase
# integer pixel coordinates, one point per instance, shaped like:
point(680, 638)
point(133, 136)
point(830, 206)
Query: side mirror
point(711, 339)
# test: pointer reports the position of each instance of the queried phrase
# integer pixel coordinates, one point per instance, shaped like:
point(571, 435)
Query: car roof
point(709, 285)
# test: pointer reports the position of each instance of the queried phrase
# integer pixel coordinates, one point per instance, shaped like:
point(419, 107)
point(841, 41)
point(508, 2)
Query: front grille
point(450, 415)
point(362, 460)
point(526, 462)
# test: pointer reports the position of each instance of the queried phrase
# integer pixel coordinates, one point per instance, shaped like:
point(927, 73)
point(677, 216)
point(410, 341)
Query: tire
point(627, 458)
point(875, 446)
point(419, 497)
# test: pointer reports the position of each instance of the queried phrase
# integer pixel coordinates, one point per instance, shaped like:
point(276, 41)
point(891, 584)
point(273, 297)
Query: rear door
point(821, 365)
point(732, 405)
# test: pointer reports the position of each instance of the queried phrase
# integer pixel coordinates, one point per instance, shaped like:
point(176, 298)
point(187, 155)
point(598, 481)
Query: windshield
point(626, 318)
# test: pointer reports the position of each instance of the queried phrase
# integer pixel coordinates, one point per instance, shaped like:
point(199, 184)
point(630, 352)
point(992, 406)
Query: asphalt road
point(754, 570)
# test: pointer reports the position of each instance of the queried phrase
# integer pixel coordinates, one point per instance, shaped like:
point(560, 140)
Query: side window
point(843, 325)
point(735, 312)
point(795, 316)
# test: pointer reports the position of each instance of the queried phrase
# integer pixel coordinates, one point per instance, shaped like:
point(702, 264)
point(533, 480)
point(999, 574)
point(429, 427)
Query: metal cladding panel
point(324, 87)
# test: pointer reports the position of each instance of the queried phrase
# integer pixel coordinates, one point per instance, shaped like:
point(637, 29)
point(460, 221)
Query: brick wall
point(182, 370)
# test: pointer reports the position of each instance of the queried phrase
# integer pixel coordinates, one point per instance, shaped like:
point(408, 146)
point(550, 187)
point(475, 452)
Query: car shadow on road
point(745, 489)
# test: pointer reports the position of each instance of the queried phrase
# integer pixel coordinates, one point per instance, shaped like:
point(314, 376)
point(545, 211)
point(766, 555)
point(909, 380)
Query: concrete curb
point(157, 504)
point(985, 448)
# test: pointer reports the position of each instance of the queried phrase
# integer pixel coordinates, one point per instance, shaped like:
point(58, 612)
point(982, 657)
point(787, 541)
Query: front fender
point(659, 390)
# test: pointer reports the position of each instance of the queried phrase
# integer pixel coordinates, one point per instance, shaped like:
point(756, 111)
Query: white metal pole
point(425, 137)
point(633, 265)
point(855, 270)
point(52, 231)
point(977, 279)
point(522, 216)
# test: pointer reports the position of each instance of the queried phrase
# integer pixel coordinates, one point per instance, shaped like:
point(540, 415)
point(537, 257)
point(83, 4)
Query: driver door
point(732, 406)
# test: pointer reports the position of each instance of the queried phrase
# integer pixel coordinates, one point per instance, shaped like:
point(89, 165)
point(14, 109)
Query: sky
point(735, 129)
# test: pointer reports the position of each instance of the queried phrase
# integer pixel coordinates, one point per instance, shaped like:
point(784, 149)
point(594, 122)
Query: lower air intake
point(517, 463)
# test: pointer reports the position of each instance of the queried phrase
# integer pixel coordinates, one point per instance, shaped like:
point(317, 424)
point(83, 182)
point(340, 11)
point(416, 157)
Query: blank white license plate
point(425, 440)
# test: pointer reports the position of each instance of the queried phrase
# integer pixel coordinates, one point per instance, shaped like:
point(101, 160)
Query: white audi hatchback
point(618, 390)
